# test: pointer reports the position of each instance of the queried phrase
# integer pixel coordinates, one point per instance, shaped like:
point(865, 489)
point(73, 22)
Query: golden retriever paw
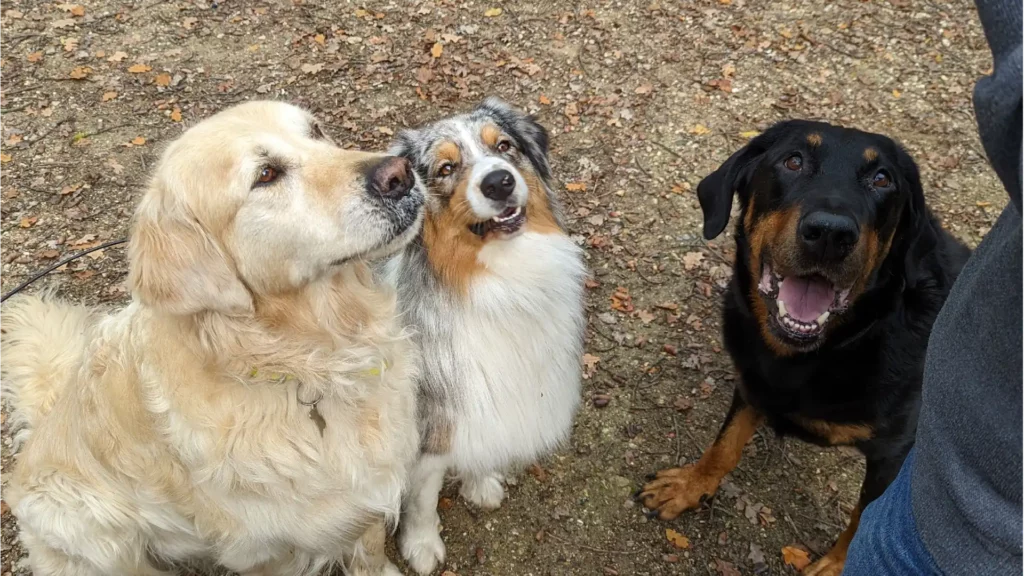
point(828, 565)
point(676, 489)
point(422, 549)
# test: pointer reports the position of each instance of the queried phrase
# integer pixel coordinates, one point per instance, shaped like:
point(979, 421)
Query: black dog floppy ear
point(715, 191)
point(531, 138)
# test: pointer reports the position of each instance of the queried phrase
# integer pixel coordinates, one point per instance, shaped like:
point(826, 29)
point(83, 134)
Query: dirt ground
point(642, 100)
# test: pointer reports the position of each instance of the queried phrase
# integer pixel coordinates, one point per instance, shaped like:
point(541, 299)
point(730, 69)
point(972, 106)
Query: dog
point(839, 274)
point(254, 405)
point(493, 288)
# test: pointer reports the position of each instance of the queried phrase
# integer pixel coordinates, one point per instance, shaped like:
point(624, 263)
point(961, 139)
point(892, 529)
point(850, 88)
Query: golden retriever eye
point(504, 146)
point(267, 175)
point(446, 169)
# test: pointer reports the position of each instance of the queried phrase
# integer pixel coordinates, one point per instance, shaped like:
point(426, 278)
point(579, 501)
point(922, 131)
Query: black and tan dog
point(840, 271)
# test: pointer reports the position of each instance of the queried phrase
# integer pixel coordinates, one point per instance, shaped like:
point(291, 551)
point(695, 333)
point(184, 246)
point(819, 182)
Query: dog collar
point(314, 412)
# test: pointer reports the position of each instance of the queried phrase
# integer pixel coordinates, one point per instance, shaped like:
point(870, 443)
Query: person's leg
point(887, 542)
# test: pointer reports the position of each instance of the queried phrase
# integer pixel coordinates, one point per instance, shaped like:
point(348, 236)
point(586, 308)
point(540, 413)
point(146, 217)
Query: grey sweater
point(966, 483)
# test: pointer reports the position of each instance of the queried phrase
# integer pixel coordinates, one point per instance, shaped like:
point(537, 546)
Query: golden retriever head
point(256, 201)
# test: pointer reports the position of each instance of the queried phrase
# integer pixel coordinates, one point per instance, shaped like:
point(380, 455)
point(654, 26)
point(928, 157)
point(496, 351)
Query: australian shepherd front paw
point(422, 548)
point(485, 491)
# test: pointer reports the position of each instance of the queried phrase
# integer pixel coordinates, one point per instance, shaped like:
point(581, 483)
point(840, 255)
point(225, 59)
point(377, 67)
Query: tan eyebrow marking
point(814, 139)
point(448, 151)
point(870, 154)
point(490, 134)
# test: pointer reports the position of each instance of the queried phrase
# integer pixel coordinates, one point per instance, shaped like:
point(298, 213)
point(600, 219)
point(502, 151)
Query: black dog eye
point(504, 146)
point(267, 175)
point(794, 162)
point(881, 179)
point(446, 169)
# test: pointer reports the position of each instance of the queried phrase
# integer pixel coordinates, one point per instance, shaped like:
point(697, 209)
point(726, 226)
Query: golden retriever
point(255, 403)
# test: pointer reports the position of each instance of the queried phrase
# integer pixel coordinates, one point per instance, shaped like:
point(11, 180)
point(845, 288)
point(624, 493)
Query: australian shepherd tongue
point(806, 297)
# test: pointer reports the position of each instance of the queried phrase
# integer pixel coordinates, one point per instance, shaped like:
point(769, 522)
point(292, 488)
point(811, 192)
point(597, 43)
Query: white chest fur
point(519, 337)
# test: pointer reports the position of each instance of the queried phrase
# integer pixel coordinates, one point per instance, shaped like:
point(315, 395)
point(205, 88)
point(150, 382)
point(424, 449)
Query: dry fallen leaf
point(644, 88)
point(139, 68)
point(492, 12)
point(320, 39)
point(700, 130)
point(749, 134)
point(726, 568)
point(163, 79)
point(80, 72)
point(117, 56)
point(108, 96)
point(35, 57)
point(189, 23)
point(795, 557)
point(437, 50)
point(576, 186)
point(692, 259)
point(312, 68)
point(96, 255)
point(678, 540)
point(28, 221)
point(645, 316)
point(115, 166)
point(138, 141)
point(176, 114)
point(622, 300)
point(544, 100)
point(5, 158)
point(14, 139)
point(589, 364)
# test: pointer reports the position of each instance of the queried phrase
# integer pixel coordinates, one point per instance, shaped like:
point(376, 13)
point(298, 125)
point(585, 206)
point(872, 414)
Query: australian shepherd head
point(487, 178)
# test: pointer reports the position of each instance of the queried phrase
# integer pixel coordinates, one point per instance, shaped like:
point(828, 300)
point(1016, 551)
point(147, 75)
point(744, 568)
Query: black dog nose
point(498, 185)
point(392, 178)
point(828, 236)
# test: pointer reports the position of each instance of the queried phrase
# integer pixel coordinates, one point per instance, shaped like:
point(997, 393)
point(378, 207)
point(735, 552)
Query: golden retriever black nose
point(392, 178)
point(828, 237)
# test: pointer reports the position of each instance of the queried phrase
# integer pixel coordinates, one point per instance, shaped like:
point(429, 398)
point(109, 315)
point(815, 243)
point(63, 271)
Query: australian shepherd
point(494, 290)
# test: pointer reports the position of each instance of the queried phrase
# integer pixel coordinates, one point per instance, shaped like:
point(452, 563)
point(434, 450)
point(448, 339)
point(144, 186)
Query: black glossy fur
point(868, 369)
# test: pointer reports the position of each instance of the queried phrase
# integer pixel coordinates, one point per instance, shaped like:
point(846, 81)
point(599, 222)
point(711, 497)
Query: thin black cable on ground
point(39, 275)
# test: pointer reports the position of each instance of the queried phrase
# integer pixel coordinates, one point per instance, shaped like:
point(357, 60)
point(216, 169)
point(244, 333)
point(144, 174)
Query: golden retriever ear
point(177, 267)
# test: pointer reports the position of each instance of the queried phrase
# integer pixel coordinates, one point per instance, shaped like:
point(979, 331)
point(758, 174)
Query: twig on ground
point(586, 547)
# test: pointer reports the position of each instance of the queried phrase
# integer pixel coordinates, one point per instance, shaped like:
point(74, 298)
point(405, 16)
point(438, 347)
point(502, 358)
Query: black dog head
point(821, 206)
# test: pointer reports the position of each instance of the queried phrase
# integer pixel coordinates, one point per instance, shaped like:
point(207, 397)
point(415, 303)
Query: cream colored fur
point(146, 441)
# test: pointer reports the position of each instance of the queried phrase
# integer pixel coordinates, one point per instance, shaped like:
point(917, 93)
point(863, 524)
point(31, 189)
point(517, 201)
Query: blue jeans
point(887, 542)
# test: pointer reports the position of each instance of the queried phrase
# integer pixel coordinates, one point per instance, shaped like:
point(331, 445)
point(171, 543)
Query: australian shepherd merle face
point(821, 208)
point(486, 173)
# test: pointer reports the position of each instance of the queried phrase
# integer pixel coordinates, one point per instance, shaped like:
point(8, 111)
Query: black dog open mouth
point(508, 222)
point(803, 304)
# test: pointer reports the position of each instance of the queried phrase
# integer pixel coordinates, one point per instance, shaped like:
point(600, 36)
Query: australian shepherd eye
point(504, 146)
point(794, 162)
point(881, 179)
point(267, 175)
point(446, 169)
